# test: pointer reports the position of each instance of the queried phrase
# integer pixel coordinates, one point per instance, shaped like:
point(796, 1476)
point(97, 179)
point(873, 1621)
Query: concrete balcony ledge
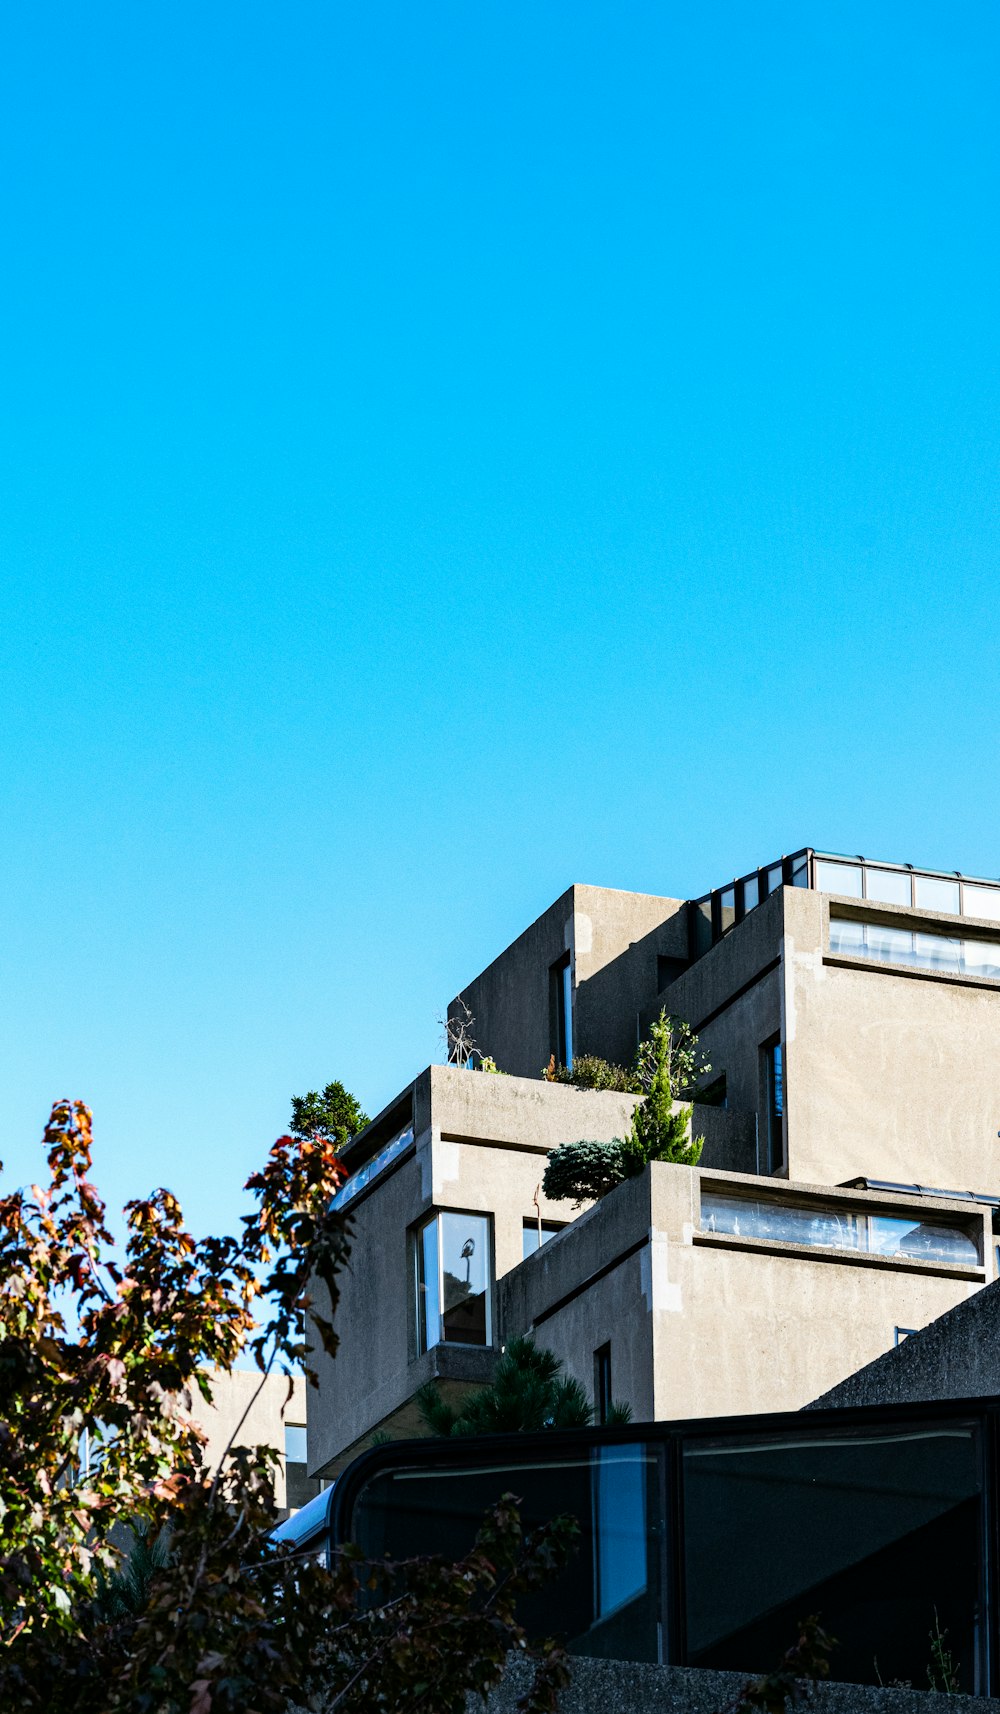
point(457, 1369)
point(633, 1687)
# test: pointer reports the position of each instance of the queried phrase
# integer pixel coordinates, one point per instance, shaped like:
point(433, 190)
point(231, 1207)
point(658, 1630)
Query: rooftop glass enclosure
point(705, 1544)
point(717, 912)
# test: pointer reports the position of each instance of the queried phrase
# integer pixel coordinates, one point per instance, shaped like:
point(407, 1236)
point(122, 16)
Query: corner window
point(773, 1066)
point(453, 1279)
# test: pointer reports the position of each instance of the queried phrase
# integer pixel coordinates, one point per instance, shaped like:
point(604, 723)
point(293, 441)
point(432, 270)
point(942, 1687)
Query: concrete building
point(851, 1014)
point(259, 1414)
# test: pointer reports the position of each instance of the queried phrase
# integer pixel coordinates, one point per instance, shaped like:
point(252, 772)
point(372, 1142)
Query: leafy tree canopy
point(334, 1113)
point(211, 1619)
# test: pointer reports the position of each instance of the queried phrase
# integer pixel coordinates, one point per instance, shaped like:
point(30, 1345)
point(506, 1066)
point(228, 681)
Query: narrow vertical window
point(772, 1056)
point(561, 1010)
point(602, 1382)
point(454, 1277)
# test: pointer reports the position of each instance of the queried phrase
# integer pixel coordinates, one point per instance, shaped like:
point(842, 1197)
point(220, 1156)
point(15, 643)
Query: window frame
point(416, 1263)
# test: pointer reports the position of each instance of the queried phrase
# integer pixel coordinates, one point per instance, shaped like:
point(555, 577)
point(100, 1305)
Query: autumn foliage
point(110, 1343)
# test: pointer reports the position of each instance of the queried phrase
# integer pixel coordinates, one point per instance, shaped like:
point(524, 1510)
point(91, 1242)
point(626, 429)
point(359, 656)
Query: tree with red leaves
point(114, 1348)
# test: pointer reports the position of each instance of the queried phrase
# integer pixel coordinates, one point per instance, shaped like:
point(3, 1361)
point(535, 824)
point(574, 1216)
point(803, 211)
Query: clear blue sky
point(449, 451)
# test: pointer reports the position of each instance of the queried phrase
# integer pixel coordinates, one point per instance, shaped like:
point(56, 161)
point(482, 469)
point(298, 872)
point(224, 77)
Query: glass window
point(774, 877)
point(981, 901)
point(374, 1167)
point(602, 1383)
point(842, 878)
point(888, 886)
point(774, 1100)
point(838, 1227)
point(295, 1442)
point(932, 893)
point(727, 909)
point(945, 953)
point(877, 1533)
point(847, 936)
point(532, 1238)
point(937, 952)
point(751, 893)
point(889, 945)
point(800, 870)
point(454, 1275)
point(981, 958)
point(701, 925)
point(607, 1599)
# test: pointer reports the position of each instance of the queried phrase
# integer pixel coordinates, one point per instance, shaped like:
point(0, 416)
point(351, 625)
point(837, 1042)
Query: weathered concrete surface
point(632, 1687)
point(615, 941)
point(705, 1326)
point(955, 1357)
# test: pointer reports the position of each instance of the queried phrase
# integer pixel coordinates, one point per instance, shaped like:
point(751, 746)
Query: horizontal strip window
point(373, 1168)
point(953, 955)
point(884, 885)
point(833, 1227)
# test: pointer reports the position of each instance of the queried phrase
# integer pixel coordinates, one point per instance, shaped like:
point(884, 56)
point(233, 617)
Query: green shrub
point(529, 1391)
point(582, 1172)
point(590, 1071)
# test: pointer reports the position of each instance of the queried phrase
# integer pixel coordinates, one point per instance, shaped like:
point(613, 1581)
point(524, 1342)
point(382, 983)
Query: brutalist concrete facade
point(887, 1078)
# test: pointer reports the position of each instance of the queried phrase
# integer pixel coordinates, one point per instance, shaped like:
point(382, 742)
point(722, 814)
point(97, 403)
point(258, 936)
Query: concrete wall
point(614, 939)
point(955, 1357)
point(481, 1146)
point(704, 1326)
point(889, 1074)
point(632, 1687)
point(267, 1415)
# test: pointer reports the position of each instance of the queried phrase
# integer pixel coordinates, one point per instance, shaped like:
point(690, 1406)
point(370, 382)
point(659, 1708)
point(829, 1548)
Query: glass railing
point(374, 1167)
point(889, 884)
point(955, 955)
point(829, 1227)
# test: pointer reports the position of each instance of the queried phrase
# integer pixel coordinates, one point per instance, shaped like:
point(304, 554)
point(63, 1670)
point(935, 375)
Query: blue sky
point(450, 451)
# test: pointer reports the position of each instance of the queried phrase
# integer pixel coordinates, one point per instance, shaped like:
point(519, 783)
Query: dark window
point(602, 1382)
point(878, 1533)
point(535, 1234)
point(561, 1010)
point(668, 970)
point(700, 925)
point(773, 1065)
point(903, 1333)
point(713, 1094)
point(607, 1600)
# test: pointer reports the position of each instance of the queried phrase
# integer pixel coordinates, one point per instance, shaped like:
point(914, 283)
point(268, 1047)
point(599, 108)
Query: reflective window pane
point(530, 1239)
point(981, 901)
point(607, 1599)
point(701, 921)
point(878, 1534)
point(888, 886)
point(838, 1227)
point(981, 958)
point(838, 878)
point(934, 894)
point(751, 892)
point(937, 952)
point(465, 1276)
point(428, 1287)
point(774, 878)
point(800, 870)
point(727, 908)
point(948, 954)
point(889, 945)
point(847, 936)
